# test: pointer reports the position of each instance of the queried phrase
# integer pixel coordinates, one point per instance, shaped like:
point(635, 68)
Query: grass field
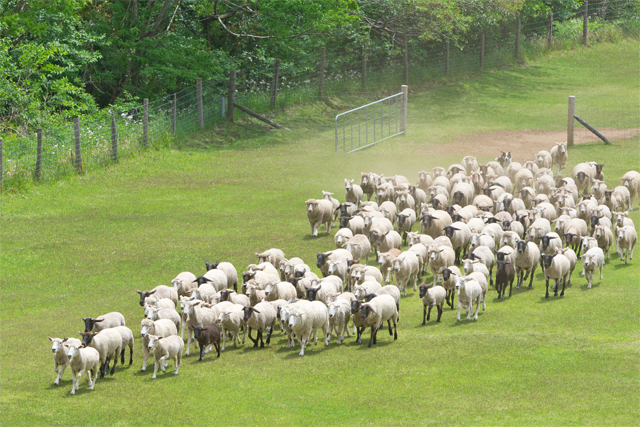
point(83, 246)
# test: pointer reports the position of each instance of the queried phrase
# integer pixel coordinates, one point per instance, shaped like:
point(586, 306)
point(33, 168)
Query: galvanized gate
point(372, 123)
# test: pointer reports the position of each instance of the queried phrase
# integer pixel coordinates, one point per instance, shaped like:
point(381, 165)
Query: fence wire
point(301, 80)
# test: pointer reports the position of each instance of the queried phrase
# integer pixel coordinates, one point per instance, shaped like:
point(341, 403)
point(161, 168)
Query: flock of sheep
point(469, 215)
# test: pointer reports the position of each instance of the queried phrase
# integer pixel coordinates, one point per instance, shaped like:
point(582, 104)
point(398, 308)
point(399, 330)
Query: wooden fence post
point(321, 71)
point(405, 60)
point(232, 95)
point(570, 122)
point(550, 31)
point(518, 38)
point(274, 84)
point(364, 70)
point(481, 52)
point(76, 134)
point(38, 155)
point(446, 60)
point(403, 123)
point(145, 122)
point(199, 102)
point(585, 19)
point(174, 113)
point(114, 137)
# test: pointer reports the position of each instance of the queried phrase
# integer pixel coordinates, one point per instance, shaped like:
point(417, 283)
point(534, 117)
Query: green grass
point(82, 246)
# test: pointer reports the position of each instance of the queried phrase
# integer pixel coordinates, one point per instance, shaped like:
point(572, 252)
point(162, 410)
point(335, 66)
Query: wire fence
point(360, 73)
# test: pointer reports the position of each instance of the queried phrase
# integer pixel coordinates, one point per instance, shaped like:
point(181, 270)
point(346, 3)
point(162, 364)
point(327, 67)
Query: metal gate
point(372, 123)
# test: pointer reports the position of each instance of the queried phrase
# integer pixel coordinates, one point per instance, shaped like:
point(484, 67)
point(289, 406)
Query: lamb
point(591, 260)
point(341, 237)
point(432, 296)
point(339, 315)
point(159, 292)
point(231, 319)
point(306, 320)
point(604, 237)
point(162, 328)
point(106, 321)
point(60, 349)
point(282, 290)
point(319, 212)
point(504, 275)
point(440, 257)
point(406, 267)
point(527, 258)
point(359, 247)
point(207, 337)
point(460, 236)
point(484, 255)
point(631, 180)
point(81, 360)
point(559, 156)
point(324, 257)
point(556, 267)
point(449, 278)
point(108, 343)
point(261, 317)
point(376, 312)
point(183, 283)
point(353, 192)
point(423, 256)
point(469, 292)
point(626, 238)
point(164, 349)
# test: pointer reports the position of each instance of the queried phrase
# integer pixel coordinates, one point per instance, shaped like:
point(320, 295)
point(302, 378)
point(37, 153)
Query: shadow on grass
point(320, 236)
point(593, 285)
point(621, 265)
point(62, 383)
point(164, 375)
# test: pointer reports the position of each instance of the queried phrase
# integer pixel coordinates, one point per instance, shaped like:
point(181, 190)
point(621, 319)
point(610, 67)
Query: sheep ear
point(81, 333)
point(140, 292)
point(51, 339)
point(256, 311)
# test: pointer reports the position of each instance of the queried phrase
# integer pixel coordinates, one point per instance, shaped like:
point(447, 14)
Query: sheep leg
point(601, 272)
point(269, 333)
point(532, 273)
point(440, 309)
point(92, 380)
point(224, 341)
point(61, 370)
point(255, 341)
point(475, 316)
point(428, 314)
point(564, 281)
point(372, 339)
point(115, 362)
point(556, 288)
point(547, 283)
point(121, 356)
point(217, 346)
point(458, 316)
point(74, 384)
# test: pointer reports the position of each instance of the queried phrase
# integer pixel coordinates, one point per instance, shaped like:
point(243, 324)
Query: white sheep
point(306, 320)
point(425, 180)
point(469, 292)
point(374, 313)
point(183, 283)
point(434, 223)
point(161, 291)
point(385, 260)
point(234, 297)
point(359, 247)
point(353, 192)
point(60, 349)
point(527, 258)
point(626, 239)
point(106, 321)
point(231, 319)
point(406, 267)
point(319, 212)
point(151, 302)
point(165, 349)
point(108, 343)
point(339, 315)
point(556, 267)
point(583, 175)
point(336, 204)
point(432, 296)
point(229, 270)
point(200, 314)
point(631, 180)
point(81, 360)
point(341, 237)
point(544, 159)
point(604, 237)
point(127, 341)
point(282, 290)
point(591, 260)
point(261, 317)
point(273, 256)
point(618, 198)
point(559, 156)
point(440, 257)
point(367, 287)
point(485, 256)
point(162, 328)
point(165, 313)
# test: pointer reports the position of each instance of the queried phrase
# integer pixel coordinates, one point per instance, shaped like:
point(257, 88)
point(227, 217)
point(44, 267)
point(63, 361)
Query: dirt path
point(526, 143)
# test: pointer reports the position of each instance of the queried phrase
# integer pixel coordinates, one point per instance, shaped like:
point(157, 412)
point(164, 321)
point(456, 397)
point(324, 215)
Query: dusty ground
point(526, 143)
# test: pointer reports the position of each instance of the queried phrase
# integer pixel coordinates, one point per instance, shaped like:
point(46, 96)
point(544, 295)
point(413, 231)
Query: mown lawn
point(83, 246)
